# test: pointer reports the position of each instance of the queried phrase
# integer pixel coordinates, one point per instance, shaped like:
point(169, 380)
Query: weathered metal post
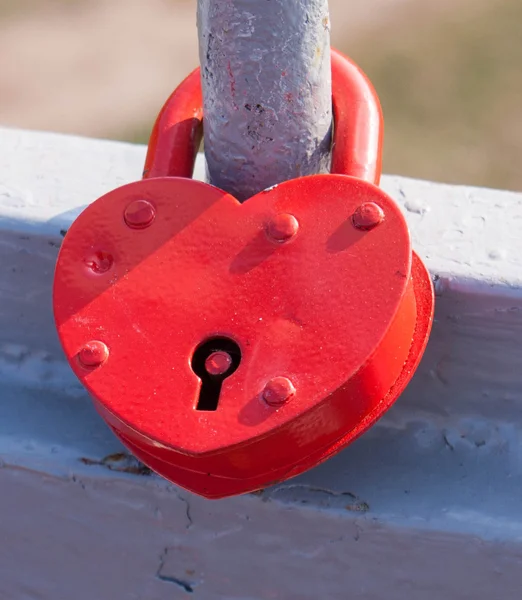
point(266, 76)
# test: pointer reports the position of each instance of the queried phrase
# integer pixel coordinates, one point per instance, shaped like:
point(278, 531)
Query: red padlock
point(231, 346)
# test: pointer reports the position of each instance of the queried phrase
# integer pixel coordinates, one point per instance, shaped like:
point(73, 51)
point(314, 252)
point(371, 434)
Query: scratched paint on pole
point(266, 76)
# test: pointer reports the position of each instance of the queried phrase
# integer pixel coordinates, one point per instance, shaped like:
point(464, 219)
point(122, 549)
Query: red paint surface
point(368, 216)
point(218, 363)
point(282, 228)
point(92, 355)
point(278, 391)
point(139, 214)
point(342, 313)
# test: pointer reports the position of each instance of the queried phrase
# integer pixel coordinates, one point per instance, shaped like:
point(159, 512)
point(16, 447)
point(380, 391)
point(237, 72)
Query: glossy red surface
point(278, 391)
point(282, 228)
point(139, 214)
point(218, 363)
point(368, 216)
point(340, 313)
point(214, 487)
point(93, 354)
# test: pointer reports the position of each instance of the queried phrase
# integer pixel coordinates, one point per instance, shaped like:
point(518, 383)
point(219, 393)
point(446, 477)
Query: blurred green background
point(449, 75)
point(451, 90)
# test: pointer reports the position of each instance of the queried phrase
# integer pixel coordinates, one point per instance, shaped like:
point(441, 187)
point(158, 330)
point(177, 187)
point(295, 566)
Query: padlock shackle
point(357, 136)
point(358, 122)
point(177, 132)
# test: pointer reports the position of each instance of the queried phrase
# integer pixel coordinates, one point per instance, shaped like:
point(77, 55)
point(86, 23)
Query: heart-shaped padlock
point(231, 346)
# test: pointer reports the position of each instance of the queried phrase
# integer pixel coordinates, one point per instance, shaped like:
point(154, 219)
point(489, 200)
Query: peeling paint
point(277, 126)
point(120, 462)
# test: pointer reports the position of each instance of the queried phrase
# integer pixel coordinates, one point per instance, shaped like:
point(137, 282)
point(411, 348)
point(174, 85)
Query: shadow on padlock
point(232, 346)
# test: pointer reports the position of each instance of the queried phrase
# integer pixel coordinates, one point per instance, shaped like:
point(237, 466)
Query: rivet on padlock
point(231, 346)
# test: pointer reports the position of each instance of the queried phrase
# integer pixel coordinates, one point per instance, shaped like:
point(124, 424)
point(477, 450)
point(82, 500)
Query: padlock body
point(335, 310)
point(153, 270)
point(214, 487)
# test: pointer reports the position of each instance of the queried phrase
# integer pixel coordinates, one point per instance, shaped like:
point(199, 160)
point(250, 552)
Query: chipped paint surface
point(278, 125)
point(426, 505)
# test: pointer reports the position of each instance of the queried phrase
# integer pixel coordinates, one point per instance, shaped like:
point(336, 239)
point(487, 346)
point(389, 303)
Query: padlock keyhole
point(214, 361)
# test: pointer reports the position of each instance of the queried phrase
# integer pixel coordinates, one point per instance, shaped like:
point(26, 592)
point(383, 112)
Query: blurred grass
point(451, 90)
point(10, 8)
point(452, 95)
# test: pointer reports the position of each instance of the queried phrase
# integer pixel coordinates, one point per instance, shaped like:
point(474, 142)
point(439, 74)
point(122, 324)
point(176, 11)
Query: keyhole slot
point(214, 361)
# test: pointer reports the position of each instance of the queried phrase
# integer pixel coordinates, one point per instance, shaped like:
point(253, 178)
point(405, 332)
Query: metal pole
point(267, 91)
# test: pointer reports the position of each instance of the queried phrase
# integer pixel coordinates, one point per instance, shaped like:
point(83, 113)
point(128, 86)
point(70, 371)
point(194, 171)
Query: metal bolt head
point(139, 214)
point(218, 363)
point(93, 354)
point(282, 228)
point(368, 216)
point(278, 391)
